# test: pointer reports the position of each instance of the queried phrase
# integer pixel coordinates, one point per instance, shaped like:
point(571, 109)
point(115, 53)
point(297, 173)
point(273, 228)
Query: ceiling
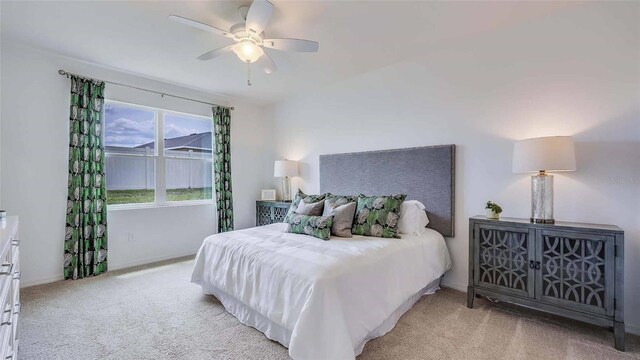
point(355, 37)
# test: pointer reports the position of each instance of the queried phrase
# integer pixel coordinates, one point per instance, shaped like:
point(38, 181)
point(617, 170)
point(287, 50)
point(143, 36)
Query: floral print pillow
point(378, 216)
point(337, 200)
point(296, 201)
point(318, 226)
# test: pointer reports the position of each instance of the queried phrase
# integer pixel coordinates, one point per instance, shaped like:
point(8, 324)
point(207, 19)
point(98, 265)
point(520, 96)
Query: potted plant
point(493, 210)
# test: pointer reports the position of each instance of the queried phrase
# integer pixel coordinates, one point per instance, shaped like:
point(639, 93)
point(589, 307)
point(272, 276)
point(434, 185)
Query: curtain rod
point(67, 74)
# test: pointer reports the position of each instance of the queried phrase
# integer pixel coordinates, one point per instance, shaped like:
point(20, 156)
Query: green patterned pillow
point(296, 201)
point(337, 200)
point(318, 226)
point(378, 216)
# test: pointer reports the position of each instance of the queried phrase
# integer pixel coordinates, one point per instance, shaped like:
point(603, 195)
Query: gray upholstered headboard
point(425, 173)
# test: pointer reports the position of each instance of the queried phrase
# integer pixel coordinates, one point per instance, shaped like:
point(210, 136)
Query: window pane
point(129, 130)
point(188, 179)
point(130, 180)
point(187, 135)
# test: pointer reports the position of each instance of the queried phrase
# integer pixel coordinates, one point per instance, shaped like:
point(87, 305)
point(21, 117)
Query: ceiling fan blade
point(215, 53)
point(259, 15)
point(199, 25)
point(298, 45)
point(267, 64)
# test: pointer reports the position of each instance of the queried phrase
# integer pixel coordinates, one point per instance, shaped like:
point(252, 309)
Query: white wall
point(34, 150)
point(575, 72)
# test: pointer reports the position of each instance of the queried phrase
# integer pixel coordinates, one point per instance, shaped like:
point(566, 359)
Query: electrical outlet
point(131, 237)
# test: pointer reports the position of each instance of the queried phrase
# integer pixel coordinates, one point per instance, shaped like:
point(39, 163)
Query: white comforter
point(326, 296)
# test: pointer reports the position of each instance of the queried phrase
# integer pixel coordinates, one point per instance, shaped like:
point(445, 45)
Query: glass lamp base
point(286, 189)
point(542, 198)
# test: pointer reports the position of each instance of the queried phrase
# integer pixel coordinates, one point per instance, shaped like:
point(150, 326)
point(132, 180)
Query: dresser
point(9, 287)
point(574, 270)
point(269, 212)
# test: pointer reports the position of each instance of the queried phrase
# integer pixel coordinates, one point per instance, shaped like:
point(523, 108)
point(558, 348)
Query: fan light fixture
point(249, 38)
point(248, 51)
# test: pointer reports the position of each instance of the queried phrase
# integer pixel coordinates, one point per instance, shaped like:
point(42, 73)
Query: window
point(139, 172)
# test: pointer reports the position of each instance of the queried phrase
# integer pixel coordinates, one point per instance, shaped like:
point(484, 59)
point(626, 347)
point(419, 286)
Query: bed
point(326, 299)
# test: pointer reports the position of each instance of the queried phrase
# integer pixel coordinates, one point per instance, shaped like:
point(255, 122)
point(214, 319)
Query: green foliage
point(148, 196)
point(494, 207)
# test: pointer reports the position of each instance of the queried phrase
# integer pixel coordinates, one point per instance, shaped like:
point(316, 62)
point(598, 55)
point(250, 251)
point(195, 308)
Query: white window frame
point(160, 161)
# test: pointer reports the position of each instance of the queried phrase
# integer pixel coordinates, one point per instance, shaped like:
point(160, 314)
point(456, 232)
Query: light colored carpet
point(155, 313)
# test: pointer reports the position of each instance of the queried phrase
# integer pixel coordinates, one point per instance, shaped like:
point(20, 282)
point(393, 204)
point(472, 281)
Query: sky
point(130, 127)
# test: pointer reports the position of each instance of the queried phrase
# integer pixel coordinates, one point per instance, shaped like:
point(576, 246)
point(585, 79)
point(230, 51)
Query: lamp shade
point(553, 153)
point(283, 168)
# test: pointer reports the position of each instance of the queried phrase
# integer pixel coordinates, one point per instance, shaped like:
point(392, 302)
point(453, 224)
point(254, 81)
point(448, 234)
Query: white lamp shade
point(553, 153)
point(283, 168)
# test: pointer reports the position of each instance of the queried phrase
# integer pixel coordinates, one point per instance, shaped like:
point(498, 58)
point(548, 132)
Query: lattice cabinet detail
point(269, 212)
point(504, 260)
point(569, 269)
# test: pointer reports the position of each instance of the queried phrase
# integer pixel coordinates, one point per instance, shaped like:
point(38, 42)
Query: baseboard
point(112, 267)
point(453, 286)
point(146, 261)
point(50, 279)
point(632, 329)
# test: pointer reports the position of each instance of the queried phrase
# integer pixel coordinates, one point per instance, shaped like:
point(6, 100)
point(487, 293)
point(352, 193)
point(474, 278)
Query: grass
point(148, 196)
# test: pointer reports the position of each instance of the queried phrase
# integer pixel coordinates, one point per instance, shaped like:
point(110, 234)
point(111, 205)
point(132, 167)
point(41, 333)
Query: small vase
point(492, 214)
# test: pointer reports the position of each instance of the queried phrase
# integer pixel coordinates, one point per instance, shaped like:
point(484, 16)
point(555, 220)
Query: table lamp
point(285, 169)
point(543, 154)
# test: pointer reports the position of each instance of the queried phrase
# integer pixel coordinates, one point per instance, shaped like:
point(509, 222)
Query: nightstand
point(575, 270)
point(269, 212)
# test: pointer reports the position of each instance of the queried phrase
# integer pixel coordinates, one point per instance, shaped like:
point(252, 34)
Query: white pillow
point(413, 218)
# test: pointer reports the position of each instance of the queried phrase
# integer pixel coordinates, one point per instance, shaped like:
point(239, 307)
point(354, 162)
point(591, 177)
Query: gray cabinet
point(569, 269)
point(269, 212)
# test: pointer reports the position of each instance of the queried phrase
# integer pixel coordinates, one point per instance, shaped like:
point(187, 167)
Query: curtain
point(222, 167)
point(85, 245)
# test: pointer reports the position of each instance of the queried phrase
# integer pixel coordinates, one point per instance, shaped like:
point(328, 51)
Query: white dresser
point(9, 287)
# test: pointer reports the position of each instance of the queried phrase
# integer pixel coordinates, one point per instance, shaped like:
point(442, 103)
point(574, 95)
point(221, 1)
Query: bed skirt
point(278, 333)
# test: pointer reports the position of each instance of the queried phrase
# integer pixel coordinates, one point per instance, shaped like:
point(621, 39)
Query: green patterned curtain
point(85, 244)
point(222, 167)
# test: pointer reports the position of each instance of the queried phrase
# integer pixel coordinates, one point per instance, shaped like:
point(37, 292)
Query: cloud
point(173, 130)
point(129, 133)
point(180, 125)
point(131, 127)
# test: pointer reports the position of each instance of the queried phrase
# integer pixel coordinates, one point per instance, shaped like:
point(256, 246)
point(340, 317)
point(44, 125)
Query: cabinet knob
point(531, 264)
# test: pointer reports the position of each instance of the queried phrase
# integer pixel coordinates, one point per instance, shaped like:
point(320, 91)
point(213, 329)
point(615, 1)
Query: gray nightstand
point(269, 212)
point(574, 270)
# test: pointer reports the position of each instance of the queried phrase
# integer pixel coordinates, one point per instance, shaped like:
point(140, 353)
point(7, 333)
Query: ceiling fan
point(249, 37)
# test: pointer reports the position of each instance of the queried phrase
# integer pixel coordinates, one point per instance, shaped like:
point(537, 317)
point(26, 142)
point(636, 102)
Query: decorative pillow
point(313, 209)
point(342, 217)
point(318, 226)
point(378, 216)
point(337, 200)
point(413, 218)
point(296, 201)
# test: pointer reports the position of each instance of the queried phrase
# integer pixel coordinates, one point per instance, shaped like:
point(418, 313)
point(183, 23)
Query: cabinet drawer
point(503, 255)
point(576, 270)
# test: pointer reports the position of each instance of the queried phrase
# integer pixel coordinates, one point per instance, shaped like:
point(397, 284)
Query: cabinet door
point(504, 259)
point(279, 212)
point(263, 214)
point(576, 270)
